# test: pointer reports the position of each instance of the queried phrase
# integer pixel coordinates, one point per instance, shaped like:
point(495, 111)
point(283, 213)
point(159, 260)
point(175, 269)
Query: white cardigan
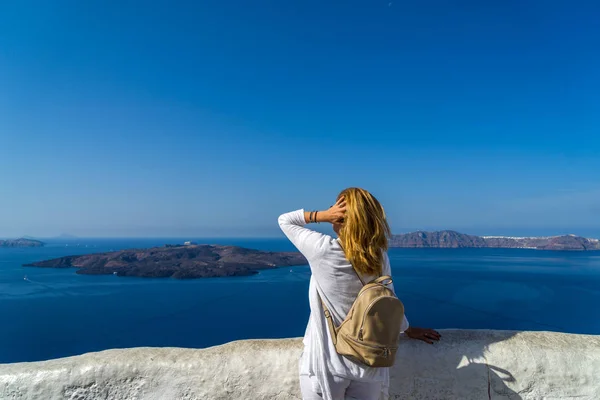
point(336, 282)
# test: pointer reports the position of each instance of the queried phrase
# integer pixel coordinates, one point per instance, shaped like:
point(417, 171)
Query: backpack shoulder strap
point(329, 318)
point(384, 280)
point(358, 275)
point(354, 269)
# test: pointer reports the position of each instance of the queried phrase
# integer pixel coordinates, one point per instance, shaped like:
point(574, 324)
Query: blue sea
point(57, 313)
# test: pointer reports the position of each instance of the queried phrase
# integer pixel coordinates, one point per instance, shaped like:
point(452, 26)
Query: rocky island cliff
point(180, 262)
point(452, 239)
point(21, 243)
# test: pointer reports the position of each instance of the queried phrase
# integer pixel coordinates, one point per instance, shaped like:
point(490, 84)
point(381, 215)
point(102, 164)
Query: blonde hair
point(364, 233)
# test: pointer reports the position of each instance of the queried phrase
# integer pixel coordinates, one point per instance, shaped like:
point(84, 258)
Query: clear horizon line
point(188, 237)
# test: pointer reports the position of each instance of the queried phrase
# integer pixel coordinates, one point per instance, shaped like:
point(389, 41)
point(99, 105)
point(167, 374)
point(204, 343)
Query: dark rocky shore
point(180, 262)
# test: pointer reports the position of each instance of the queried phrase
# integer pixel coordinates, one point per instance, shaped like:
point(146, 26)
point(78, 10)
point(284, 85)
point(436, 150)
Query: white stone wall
point(464, 365)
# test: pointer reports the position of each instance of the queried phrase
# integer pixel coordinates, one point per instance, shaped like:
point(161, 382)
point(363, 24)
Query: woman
point(360, 223)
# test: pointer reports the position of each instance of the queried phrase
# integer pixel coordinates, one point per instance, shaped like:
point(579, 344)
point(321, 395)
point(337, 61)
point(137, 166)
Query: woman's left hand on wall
point(425, 334)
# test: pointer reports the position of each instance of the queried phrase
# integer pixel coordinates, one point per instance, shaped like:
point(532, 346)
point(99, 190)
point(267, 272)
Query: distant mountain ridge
point(453, 239)
point(21, 243)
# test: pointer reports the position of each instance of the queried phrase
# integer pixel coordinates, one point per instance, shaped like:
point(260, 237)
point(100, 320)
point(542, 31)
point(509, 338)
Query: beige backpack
point(369, 335)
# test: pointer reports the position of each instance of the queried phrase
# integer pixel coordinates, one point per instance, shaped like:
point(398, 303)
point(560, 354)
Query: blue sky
point(211, 118)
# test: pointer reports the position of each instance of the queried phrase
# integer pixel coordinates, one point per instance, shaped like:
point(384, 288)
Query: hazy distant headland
point(66, 236)
point(21, 243)
point(177, 261)
point(452, 239)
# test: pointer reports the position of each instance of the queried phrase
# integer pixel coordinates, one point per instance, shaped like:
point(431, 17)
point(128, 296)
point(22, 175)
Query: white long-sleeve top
point(334, 279)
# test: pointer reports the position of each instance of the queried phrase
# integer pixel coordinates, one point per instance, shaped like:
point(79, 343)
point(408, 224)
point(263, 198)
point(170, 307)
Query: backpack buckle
point(327, 314)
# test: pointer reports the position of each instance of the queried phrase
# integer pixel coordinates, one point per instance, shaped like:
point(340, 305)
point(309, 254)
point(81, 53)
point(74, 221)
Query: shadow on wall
point(461, 368)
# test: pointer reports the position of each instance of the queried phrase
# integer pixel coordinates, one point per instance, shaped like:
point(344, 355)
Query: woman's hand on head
point(425, 334)
point(336, 212)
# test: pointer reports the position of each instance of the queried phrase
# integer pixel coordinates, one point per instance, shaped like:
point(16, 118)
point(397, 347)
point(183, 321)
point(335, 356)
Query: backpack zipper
point(376, 285)
point(362, 324)
point(360, 332)
point(387, 351)
point(360, 294)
